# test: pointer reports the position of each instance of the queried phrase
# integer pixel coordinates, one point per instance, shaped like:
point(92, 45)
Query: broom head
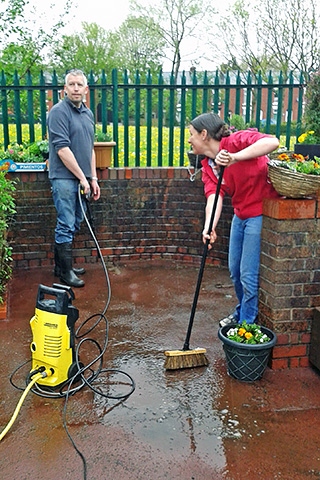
point(178, 359)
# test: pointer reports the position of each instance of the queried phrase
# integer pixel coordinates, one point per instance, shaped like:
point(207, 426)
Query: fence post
point(300, 105)
point(160, 118)
point(30, 107)
point(182, 118)
point(149, 118)
point(43, 106)
point(4, 111)
point(289, 111)
point(137, 102)
point(115, 115)
point(258, 100)
point(17, 108)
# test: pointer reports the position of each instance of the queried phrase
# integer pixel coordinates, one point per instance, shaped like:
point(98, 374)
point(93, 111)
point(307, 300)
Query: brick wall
point(290, 277)
point(158, 213)
point(142, 214)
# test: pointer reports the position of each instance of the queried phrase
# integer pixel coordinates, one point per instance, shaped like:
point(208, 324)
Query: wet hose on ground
point(37, 377)
point(88, 374)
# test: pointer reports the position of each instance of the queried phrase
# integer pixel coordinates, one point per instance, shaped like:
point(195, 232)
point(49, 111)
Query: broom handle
point(203, 262)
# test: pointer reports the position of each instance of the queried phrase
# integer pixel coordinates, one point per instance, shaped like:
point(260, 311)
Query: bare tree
point(175, 21)
point(290, 30)
point(278, 34)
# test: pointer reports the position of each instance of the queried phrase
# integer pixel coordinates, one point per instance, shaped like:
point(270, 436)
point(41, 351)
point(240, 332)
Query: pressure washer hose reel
point(53, 342)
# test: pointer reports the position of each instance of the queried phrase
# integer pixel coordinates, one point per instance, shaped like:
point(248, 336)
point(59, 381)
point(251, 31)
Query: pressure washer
point(56, 370)
point(53, 330)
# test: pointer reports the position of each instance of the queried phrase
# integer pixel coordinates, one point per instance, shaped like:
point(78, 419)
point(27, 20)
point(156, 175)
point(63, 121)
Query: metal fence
point(148, 117)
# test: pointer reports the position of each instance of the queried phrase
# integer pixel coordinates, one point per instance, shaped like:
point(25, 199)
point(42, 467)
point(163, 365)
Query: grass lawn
point(144, 146)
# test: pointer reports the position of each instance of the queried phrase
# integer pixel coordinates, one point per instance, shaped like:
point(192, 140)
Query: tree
point(290, 29)
point(175, 21)
point(24, 42)
point(87, 50)
point(137, 45)
point(12, 11)
point(278, 34)
point(21, 59)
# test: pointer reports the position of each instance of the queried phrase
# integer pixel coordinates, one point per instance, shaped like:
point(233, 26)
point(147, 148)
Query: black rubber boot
point(63, 251)
point(57, 268)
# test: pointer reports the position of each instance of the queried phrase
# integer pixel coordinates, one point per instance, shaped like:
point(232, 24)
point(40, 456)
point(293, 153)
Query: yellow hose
point(25, 393)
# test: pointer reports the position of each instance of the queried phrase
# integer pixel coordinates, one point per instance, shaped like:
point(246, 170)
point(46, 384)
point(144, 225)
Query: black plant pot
point(244, 361)
point(307, 149)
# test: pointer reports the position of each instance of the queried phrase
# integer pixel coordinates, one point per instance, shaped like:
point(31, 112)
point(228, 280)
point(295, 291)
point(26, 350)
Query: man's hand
point(85, 186)
point(95, 189)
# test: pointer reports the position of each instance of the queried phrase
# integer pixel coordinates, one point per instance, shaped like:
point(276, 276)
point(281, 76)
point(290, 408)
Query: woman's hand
point(224, 158)
point(212, 237)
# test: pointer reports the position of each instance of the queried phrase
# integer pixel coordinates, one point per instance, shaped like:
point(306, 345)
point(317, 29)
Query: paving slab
point(192, 424)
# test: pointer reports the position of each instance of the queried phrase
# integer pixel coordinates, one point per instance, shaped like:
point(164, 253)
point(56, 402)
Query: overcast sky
point(109, 14)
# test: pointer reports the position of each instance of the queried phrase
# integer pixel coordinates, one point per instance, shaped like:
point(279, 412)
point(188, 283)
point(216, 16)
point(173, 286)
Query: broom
point(187, 358)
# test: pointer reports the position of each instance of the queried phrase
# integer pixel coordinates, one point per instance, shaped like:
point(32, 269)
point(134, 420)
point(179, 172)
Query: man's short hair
point(75, 72)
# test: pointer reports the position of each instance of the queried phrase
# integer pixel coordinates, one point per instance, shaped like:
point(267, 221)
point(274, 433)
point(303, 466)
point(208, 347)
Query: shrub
point(312, 110)
point(7, 209)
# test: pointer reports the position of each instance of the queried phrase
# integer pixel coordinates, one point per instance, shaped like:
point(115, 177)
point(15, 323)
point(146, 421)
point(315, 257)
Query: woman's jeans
point(65, 193)
point(244, 265)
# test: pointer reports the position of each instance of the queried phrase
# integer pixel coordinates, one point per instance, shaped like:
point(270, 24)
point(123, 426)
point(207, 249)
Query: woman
point(244, 156)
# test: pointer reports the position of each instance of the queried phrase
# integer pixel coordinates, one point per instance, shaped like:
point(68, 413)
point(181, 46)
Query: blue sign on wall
point(11, 166)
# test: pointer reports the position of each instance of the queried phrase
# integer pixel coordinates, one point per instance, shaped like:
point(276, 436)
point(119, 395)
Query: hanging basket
point(246, 362)
point(293, 184)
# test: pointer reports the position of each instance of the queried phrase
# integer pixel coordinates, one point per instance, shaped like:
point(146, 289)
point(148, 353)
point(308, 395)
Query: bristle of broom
point(178, 359)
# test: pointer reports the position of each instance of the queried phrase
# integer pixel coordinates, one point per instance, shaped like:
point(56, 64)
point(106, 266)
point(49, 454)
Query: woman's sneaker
point(228, 320)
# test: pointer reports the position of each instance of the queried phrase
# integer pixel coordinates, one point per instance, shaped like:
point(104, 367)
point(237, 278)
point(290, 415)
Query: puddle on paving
point(170, 411)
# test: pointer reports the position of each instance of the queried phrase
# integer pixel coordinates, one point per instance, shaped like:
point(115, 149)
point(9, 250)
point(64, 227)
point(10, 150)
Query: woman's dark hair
point(214, 125)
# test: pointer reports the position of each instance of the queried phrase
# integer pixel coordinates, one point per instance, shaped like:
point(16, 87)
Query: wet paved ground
point(193, 424)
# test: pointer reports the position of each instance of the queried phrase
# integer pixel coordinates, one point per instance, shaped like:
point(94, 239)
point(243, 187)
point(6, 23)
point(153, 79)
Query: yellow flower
point(304, 135)
point(248, 335)
point(241, 332)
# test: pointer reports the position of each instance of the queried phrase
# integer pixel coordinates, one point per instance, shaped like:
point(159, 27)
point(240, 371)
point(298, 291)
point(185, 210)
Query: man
point(71, 163)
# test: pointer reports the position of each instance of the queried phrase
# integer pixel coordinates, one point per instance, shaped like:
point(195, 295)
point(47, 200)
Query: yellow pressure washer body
point(53, 337)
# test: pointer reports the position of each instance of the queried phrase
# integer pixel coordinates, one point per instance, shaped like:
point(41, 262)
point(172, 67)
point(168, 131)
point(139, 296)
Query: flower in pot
point(308, 138)
point(294, 175)
point(103, 146)
point(247, 348)
point(298, 163)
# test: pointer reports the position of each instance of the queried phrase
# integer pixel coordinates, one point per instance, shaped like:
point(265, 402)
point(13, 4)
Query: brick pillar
point(290, 277)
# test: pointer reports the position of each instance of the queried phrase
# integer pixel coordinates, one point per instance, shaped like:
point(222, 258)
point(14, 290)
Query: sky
point(109, 14)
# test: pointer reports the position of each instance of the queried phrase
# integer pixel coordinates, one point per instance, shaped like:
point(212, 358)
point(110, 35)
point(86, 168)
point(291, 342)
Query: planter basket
point(293, 184)
point(246, 362)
